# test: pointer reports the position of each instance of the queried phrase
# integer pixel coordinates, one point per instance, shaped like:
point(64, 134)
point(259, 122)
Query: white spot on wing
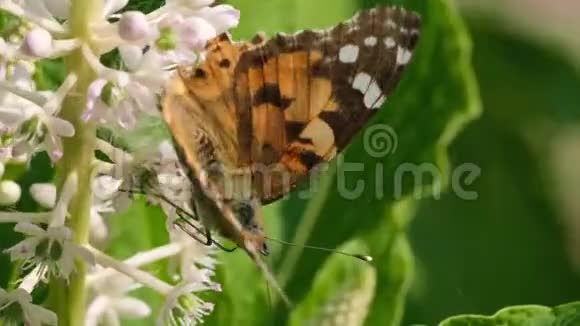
point(371, 41)
point(403, 56)
point(361, 81)
point(348, 53)
point(390, 23)
point(390, 42)
point(373, 95)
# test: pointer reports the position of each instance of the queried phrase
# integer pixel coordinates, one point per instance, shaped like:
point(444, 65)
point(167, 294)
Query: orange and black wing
point(300, 99)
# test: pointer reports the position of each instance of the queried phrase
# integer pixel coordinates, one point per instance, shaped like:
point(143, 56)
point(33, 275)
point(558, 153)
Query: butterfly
point(255, 118)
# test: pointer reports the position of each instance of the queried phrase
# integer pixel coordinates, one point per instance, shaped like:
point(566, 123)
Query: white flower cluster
point(147, 47)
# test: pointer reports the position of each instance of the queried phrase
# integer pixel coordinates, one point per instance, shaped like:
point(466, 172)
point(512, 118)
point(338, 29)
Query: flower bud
point(37, 43)
point(44, 194)
point(133, 26)
point(9, 192)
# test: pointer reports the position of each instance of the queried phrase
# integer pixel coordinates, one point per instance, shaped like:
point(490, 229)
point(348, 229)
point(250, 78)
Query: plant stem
point(69, 300)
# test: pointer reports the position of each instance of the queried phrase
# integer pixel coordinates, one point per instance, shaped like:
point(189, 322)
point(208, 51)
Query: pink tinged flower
point(95, 106)
point(108, 102)
point(133, 26)
point(195, 32)
point(222, 17)
point(118, 97)
point(181, 39)
point(37, 43)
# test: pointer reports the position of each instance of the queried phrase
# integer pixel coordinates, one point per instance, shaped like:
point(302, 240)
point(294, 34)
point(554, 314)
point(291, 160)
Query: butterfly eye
point(199, 73)
point(245, 213)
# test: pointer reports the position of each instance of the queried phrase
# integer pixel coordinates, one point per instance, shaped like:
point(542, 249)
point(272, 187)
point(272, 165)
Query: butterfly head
point(251, 237)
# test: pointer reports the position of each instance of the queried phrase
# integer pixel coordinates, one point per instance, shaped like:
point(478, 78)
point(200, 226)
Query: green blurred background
point(494, 83)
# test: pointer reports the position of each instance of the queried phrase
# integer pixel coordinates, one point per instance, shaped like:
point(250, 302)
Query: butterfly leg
point(219, 245)
point(208, 241)
point(182, 222)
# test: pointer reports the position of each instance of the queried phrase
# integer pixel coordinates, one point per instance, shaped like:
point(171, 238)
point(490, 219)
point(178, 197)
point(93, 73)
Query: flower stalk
point(69, 300)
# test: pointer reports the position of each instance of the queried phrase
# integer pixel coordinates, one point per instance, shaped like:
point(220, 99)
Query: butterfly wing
point(301, 98)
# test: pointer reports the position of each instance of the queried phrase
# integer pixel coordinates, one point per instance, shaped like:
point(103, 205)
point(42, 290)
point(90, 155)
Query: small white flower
point(196, 266)
point(14, 70)
point(33, 118)
point(117, 102)
point(183, 307)
point(185, 27)
point(104, 189)
point(119, 97)
point(196, 261)
point(111, 302)
point(182, 39)
point(52, 249)
point(17, 306)
point(44, 194)
point(9, 192)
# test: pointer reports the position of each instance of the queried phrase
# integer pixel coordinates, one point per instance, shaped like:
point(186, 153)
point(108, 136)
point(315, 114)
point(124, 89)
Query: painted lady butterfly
point(256, 117)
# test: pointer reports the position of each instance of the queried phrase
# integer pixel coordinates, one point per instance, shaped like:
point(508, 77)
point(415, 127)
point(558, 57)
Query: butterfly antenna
point(362, 257)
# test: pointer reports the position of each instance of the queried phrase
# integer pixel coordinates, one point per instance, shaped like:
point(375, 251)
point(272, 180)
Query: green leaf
point(9, 24)
point(564, 315)
point(49, 74)
point(477, 256)
point(138, 228)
